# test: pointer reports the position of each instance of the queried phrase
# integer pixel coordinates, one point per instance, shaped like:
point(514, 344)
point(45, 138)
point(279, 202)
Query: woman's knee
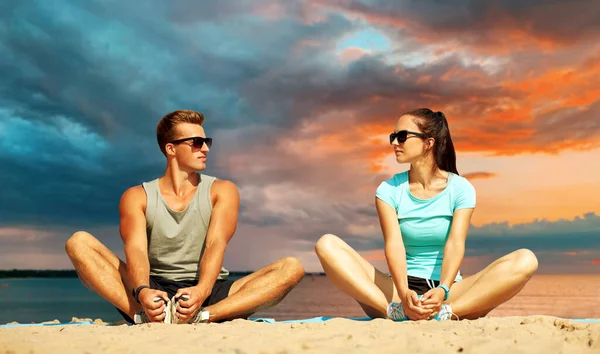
point(327, 245)
point(525, 262)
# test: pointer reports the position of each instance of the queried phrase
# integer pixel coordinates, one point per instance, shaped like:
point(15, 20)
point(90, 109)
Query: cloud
point(479, 175)
point(299, 98)
point(588, 222)
point(509, 24)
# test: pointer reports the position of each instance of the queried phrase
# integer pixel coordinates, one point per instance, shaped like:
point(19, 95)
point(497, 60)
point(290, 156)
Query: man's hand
point(154, 309)
point(186, 309)
point(413, 306)
point(433, 299)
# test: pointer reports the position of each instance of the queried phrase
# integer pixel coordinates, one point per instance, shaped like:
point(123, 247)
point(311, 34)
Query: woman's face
point(408, 145)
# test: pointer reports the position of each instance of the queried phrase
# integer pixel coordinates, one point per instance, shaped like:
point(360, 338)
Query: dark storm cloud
point(478, 22)
point(84, 84)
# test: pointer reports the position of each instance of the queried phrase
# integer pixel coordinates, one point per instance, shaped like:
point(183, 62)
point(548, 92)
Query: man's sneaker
point(445, 313)
point(141, 317)
point(201, 315)
point(173, 309)
point(395, 312)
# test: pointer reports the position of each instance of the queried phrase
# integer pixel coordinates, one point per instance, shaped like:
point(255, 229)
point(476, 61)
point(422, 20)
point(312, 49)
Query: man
point(175, 230)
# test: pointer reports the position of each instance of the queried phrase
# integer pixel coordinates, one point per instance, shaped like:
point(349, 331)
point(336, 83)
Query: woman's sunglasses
point(403, 135)
point(197, 142)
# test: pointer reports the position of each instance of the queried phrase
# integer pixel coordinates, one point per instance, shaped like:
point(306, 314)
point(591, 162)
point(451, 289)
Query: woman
point(424, 214)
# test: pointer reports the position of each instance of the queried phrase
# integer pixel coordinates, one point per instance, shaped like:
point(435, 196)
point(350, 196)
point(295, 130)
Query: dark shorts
point(219, 291)
point(420, 285)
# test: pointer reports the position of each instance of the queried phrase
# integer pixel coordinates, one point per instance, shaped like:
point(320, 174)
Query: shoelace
point(446, 314)
point(395, 311)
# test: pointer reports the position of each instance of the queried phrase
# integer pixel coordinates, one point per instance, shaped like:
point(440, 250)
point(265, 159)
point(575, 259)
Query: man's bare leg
point(101, 271)
point(259, 290)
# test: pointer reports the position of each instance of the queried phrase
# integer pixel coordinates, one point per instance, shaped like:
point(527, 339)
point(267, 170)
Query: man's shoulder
point(224, 190)
point(224, 186)
point(134, 195)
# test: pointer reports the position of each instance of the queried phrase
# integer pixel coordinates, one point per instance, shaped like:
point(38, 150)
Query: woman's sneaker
point(445, 313)
point(395, 312)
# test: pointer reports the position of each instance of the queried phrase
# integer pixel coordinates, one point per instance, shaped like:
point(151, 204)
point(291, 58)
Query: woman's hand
point(433, 299)
point(413, 307)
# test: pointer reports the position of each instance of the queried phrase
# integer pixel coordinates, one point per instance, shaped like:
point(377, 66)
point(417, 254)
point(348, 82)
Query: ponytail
point(435, 125)
point(445, 155)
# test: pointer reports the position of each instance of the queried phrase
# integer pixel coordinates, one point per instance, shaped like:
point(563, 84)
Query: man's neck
point(178, 182)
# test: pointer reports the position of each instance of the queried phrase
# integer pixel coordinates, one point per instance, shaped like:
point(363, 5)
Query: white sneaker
point(445, 313)
point(395, 312)
point(201, 316)
point(141, 317)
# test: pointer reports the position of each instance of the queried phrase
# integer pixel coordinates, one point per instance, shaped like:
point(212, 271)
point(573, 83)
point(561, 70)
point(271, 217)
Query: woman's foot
point(395, 312)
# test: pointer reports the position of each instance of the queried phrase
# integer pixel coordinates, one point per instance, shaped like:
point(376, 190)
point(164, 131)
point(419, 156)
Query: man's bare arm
point(223, 223)
point(133, 234)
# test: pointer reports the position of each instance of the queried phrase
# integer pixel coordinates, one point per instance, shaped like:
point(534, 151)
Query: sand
point(519, 334)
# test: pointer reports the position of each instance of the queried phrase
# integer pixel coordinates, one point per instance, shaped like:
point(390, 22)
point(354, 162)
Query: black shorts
point(420, 285)
point(219, 291)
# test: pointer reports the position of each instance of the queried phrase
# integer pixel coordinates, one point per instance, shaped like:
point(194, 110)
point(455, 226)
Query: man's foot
point(201, 316)
point(141, 317)
point(395, 312)
point(445, 313)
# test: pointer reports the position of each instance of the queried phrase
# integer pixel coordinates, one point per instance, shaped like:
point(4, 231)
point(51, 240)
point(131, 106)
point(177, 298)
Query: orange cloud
point(479, 175)
point(352, 54)
point(596, 261)
point(489, 29)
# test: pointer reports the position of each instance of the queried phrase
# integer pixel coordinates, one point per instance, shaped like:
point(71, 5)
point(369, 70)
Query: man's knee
point(292, 269)
point(327, 244)
point(77, 241)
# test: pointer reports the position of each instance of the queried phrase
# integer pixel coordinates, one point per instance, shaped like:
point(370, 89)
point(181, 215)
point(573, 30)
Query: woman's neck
point(425, 172)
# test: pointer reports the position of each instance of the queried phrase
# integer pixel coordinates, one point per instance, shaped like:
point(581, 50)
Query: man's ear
point(170, 149)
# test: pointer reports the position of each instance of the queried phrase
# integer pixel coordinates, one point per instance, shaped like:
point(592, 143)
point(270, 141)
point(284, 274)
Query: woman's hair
point(434, 125)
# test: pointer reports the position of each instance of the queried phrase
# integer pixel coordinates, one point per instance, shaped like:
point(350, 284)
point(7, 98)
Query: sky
point(299, 98)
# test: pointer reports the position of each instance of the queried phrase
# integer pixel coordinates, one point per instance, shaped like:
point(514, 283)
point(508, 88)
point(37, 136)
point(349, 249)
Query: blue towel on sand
point(265, 320)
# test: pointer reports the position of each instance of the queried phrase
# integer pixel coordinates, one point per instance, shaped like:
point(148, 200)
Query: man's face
point(190, 154)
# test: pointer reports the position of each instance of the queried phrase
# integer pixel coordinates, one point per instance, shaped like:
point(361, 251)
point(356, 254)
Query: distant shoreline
point(70, 273)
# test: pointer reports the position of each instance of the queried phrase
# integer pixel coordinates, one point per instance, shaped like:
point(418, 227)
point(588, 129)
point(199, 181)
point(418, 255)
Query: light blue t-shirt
point(425, 223)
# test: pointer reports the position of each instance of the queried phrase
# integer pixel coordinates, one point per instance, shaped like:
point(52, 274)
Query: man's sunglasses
point(197, 142)
point(403, 135)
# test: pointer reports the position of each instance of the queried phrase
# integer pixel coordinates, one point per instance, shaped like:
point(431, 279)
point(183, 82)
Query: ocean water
point(46, 299)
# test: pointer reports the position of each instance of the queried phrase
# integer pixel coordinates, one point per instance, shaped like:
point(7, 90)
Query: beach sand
point(518, 334)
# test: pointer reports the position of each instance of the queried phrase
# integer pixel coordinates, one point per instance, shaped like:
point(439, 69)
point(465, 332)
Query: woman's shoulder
point(460, 182)
point(397, 180)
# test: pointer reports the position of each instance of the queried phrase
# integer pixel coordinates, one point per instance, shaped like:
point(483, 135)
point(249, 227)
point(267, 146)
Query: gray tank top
point(176, 238)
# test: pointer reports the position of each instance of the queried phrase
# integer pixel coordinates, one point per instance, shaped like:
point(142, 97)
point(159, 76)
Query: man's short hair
point(165, 130)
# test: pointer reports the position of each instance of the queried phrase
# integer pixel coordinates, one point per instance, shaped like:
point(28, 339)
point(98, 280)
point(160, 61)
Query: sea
point(34, 300)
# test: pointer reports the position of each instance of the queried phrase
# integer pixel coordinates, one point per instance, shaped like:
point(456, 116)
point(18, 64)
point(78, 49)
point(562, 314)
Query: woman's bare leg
point(101, 271)
point(356, 277)
point(477, 295)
